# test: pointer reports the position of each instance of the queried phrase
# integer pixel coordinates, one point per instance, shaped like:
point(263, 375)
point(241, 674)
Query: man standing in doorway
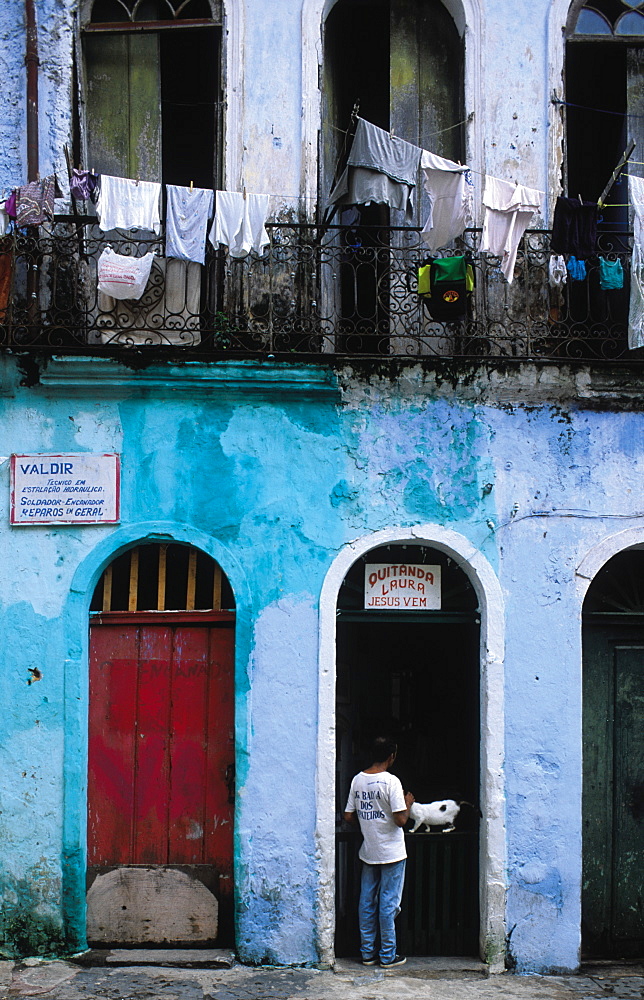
point(377, 798)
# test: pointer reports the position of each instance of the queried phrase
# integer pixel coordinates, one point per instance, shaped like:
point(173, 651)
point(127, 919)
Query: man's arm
point(349, 817)
point(400, 818)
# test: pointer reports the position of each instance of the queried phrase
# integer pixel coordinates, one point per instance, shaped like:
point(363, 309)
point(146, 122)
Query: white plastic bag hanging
point(123, 277)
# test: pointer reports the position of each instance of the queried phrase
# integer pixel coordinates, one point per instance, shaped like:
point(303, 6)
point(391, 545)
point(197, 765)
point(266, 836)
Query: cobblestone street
point(419, 979)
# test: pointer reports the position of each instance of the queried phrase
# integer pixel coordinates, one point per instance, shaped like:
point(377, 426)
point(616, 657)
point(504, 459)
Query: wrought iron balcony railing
point(316, 291)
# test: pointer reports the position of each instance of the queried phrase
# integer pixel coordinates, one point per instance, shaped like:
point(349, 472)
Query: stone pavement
point(419, 979)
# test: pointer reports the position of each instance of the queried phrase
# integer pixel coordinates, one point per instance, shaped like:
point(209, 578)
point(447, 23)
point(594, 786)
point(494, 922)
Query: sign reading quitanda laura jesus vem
point(65, 489)
point(402, 586)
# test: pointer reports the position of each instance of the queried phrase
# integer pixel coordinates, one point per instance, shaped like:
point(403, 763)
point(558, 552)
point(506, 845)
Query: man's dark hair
point(382, 749)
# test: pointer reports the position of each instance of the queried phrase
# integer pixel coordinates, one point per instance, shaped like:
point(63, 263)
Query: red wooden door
point(161, 756)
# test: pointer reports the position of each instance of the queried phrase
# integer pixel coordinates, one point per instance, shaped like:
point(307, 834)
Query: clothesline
point(345, 131)
point(602, 111)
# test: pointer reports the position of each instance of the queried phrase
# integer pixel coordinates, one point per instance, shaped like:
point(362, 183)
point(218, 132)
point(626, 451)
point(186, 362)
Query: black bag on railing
point(444, 284)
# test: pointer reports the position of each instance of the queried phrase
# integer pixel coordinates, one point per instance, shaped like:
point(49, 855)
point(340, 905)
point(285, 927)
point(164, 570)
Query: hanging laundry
point(187, 214)
point(10, 205)
point(381, 168)
point(4, 218)
point(508, 211)
point(128, 204)
point(636, 306)
point(35, 201)
point(82, 184)
point(450, 200)
point(576, 269)
point(6, 274)
point(239, 222)
point(574, 227)
point(611, 274)
point(557, 273)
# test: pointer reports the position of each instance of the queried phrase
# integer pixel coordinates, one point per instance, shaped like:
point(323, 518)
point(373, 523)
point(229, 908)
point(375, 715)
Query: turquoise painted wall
point(274, 490)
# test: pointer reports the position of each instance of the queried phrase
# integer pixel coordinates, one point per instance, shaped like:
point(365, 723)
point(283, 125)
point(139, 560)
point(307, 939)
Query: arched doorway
point(161, 751)
point(415, 675)
point(613, 760)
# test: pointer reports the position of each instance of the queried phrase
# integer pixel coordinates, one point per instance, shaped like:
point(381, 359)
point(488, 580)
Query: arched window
point(402, 60)
point(152, 90)
point(605, 98)
point(169, 577)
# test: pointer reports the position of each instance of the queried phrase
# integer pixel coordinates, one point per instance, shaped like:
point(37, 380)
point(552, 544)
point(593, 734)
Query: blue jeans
point(381, 890)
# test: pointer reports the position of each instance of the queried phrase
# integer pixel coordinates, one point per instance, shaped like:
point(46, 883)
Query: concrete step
point(181, 958)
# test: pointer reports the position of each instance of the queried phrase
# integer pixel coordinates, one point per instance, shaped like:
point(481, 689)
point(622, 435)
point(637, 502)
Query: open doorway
point(413, 675)
point(613, 761)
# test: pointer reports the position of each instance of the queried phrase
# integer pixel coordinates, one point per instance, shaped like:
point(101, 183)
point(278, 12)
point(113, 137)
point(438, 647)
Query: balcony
point(316, 293)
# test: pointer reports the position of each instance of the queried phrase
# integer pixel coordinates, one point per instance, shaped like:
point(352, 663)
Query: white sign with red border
point(402, 586)
point(65, 489)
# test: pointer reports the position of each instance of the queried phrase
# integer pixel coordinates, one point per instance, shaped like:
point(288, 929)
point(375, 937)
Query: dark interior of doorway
point(414, 676)
point(612, 901)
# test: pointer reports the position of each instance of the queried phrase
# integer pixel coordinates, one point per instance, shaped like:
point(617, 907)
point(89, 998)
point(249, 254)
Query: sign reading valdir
point(404, 586)
point(65, 489)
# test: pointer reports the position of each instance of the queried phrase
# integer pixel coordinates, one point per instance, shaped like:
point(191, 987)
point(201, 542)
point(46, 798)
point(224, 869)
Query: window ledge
point(238, 378)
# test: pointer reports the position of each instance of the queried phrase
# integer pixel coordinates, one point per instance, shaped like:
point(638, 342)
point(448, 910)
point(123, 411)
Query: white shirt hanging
point(508, 212)
point(128, 204)
point(187, 214)
point(450, 199)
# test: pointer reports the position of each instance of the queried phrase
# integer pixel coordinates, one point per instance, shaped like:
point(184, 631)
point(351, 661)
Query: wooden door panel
point(613, 819)
point(151, 763)
point(161, 751)
point(628, 851)
point(112, 727)
point(190, 737)
point(220, 753)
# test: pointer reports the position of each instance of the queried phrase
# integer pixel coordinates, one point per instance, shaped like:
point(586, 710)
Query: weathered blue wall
point(273, 482)
point(273, 490)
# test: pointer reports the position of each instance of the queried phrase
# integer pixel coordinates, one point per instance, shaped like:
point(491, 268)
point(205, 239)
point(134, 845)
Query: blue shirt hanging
point(611, 274)
point(576, 269)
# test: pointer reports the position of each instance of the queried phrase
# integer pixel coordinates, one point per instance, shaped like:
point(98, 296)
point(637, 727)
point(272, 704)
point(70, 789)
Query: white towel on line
point(128, 204)
point(239, 222)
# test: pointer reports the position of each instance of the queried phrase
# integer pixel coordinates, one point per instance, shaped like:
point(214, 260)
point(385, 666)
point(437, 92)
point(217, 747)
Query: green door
point(613, 793)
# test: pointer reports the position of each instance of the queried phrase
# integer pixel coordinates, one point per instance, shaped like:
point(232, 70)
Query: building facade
point(190, 685)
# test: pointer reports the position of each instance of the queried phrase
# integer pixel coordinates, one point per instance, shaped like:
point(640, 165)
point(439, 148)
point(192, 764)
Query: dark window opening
point(189, 108)
point(402, 63)
point(596, 126)
point(153, 99)
point(604, 112)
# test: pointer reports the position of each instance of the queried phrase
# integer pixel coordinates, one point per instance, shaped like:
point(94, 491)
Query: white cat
point(440, 813)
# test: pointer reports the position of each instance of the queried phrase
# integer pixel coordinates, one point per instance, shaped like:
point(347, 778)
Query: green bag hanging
point(444, 283)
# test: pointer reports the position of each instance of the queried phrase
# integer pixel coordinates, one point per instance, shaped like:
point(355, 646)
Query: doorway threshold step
point(187, 958)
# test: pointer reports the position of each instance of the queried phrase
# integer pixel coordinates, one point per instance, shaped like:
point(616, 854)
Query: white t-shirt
point(375, 797)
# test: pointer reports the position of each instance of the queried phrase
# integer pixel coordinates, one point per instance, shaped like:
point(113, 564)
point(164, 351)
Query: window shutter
point(123, 110)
